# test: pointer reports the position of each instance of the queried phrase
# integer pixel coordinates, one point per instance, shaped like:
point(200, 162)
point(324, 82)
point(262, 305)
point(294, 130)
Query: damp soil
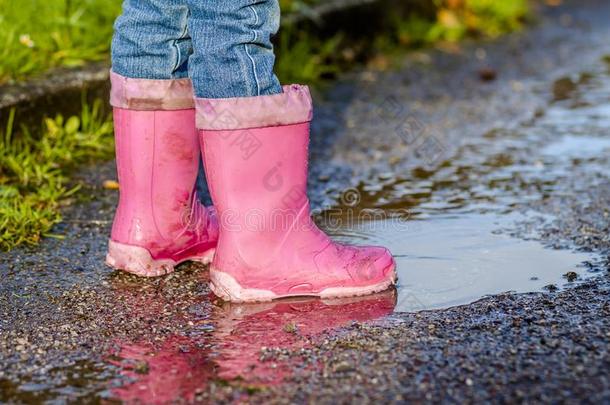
point(493, 194)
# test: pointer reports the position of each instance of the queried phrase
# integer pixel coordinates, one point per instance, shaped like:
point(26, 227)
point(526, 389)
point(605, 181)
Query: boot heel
point(137, 260)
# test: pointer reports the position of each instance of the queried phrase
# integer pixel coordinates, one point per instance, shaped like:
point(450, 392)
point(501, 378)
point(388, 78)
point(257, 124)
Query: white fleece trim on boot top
point(293, 106)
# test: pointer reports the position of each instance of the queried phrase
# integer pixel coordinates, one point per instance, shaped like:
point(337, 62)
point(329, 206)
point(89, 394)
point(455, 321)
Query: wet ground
point(493, 194)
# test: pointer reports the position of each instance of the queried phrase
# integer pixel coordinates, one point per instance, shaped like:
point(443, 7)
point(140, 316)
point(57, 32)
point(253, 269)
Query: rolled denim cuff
point(150, 94)
point(293, 106)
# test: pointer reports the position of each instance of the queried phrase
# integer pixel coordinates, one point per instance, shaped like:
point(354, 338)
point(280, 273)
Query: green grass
point(36, 35)
point(34, 170)
point(291, 6)
point(304, 58)
point(457, 19)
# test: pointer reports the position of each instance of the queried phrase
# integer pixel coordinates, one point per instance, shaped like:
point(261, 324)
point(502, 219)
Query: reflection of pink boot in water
point(170, 372)
point(159, 221)
point(294, 323)
point(179, 367)
point(255, 153)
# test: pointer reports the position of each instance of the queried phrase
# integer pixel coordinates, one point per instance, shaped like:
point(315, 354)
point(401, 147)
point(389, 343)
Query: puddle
point(454, 260)
point(455, 247)
point(577, 147)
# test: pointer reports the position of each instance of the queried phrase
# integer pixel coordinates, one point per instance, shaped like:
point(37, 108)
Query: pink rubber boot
point(255, 153)
point(159, 222)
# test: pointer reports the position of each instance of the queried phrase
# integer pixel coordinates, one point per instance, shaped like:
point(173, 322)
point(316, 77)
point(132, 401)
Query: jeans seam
point(255, 36)
point(186, 25)
point(178, 57)
point(175, 45)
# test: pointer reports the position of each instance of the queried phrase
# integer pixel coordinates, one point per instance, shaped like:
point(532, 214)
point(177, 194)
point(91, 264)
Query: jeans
point(224, 46)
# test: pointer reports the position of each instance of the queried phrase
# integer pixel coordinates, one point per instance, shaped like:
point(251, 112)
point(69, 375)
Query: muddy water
point(453, 260)
point(450, 228)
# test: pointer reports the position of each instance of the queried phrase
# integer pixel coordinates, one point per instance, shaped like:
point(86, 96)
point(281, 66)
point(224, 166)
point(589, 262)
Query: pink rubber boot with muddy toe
point(255, 152)
point(159, 221)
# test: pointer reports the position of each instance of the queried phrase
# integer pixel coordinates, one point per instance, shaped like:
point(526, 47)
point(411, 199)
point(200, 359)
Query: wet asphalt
point(72, 331)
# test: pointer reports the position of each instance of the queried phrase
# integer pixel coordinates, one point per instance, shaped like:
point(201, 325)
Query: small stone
point(551, 288)
point(487, 74)
point(342, 367)
point(110, 185)
point(141, 367)
point(571, 276)
point(290, 328)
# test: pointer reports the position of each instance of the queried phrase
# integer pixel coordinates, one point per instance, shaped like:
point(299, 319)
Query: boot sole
point(226, 287)
point(137, 260)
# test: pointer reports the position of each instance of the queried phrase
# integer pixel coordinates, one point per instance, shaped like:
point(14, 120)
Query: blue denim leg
point(151, 40)
point(232, 50)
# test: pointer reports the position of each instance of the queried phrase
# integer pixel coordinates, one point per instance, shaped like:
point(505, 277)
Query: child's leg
point(159, 221)
point(233, 55)
point(151, 40)
point(254, 139)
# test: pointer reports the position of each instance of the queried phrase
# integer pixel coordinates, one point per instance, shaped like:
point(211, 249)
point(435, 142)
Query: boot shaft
point(266, 172)
point(255, 153)
point(157, 163)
